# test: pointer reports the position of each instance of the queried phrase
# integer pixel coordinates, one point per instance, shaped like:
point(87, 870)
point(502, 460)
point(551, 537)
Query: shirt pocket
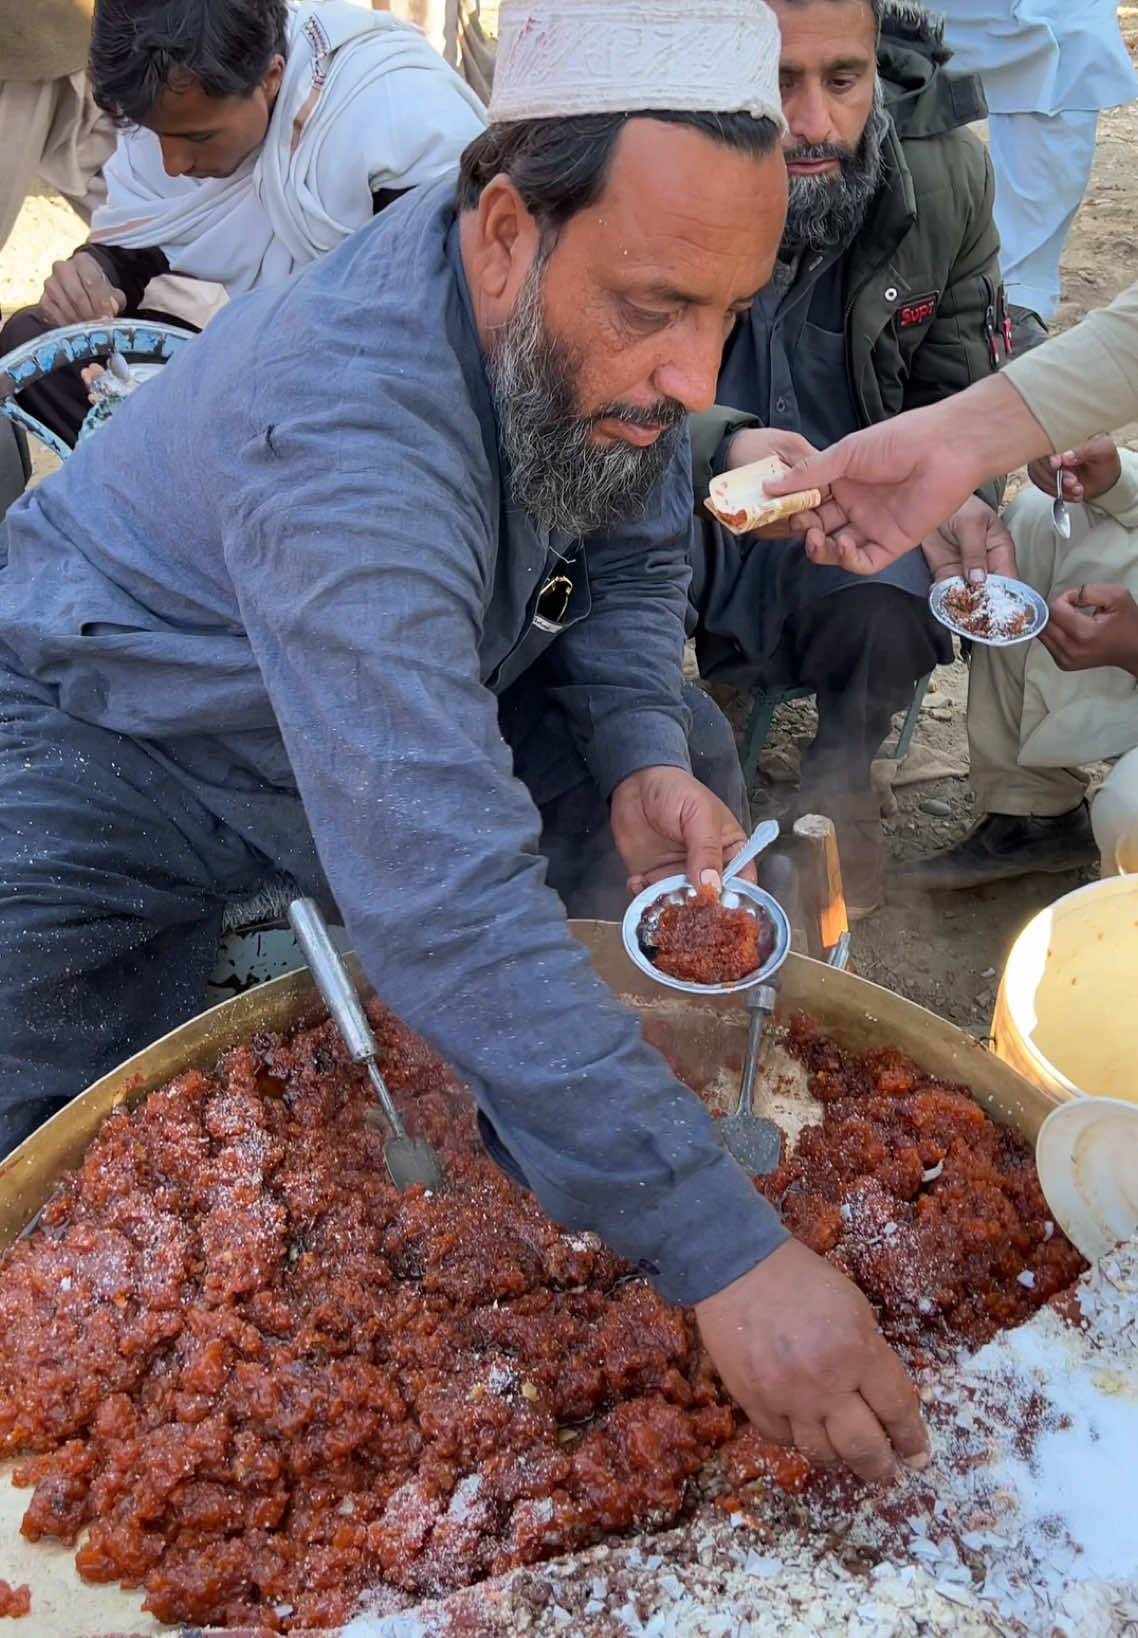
point(562, 600)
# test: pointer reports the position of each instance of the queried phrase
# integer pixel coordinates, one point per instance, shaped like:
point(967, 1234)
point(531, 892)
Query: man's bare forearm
point(993, 426)
point(1086, 380)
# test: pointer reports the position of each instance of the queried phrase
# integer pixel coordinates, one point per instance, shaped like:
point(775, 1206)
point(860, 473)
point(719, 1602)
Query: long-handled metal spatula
point(409, 1160)
point(756, 1140)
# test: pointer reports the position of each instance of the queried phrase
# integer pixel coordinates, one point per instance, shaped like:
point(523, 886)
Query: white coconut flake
point(762, 1564)
point(463, 1497)
point(407, 1624)
point(501, 1379)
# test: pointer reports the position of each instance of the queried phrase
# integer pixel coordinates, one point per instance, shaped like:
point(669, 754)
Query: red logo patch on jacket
point(918, 311)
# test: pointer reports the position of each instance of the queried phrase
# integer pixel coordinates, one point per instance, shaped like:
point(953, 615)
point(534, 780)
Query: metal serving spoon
point(756, 1140)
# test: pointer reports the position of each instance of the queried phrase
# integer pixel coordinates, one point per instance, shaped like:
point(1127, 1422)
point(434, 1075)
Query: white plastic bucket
point(1114, 818)
point(1067, 1010)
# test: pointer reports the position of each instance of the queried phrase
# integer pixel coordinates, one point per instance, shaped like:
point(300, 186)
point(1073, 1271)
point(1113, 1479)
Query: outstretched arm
point(892, 485)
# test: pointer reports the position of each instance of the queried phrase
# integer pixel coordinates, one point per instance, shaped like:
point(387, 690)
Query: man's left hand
point(1088, 472)
point(665, 823)
point(1096, 625)
point(756, 444)
point(973, 543)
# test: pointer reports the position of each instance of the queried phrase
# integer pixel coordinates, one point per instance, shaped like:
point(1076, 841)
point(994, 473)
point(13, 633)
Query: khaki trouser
point(51, 130)
point(1029, 724)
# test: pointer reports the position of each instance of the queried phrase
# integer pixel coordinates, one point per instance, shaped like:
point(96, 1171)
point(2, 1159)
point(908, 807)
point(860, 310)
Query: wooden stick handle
point(820, 883)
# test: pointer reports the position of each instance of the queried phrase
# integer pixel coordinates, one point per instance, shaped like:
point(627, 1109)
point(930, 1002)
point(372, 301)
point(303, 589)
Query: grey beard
point(824, 212)
point(555, 475)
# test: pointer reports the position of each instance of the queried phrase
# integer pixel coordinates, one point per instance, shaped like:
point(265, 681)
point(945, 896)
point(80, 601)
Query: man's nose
point(808, 117)
point(691, 373)
point(177, 157)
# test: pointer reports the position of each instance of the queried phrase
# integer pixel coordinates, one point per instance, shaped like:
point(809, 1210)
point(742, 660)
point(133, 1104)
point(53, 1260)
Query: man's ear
point(271, 83)
point(506, 241)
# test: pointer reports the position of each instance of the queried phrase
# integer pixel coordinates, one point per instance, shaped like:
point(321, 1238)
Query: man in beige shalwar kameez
point(1038, 713)
point(50, 128)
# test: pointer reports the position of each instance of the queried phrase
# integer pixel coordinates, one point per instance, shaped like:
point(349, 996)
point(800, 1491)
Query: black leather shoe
point(1028, 329)
point(1005, 845)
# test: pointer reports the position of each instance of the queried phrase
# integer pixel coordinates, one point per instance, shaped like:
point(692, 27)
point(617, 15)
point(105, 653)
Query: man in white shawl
point(256, 136)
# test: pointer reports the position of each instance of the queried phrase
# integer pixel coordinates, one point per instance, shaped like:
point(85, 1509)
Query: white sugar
point(1001, 604)
point(992, 610)
point(1080, 1470)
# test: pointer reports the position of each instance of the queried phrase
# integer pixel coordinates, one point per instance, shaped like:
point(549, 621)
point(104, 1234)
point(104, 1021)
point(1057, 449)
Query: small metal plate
point(739, 895)
point(1027, 595)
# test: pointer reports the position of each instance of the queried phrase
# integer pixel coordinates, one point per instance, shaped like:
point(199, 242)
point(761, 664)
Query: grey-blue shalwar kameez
point(262, 623)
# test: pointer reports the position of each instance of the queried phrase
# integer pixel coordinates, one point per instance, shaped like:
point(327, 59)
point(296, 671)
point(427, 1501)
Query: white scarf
point(310, 183)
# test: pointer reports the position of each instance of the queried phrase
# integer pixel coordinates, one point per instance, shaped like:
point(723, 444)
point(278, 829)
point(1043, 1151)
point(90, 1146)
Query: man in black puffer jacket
point(886, 296)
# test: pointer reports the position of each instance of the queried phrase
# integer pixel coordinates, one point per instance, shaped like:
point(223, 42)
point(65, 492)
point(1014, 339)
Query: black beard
point(826, 212)
point(555, 475)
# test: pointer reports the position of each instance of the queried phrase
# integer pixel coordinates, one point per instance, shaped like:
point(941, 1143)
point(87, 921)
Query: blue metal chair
point(136, 340)
point(765, 702)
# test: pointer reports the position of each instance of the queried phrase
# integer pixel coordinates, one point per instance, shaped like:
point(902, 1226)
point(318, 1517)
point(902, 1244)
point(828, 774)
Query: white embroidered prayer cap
point(558, 58)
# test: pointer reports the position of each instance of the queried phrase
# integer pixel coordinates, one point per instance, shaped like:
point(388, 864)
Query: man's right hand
point(973, 543)
point(891, 485)
point(797, 1345)
point(756, 443)
point(79, 292)
point(1094, 626)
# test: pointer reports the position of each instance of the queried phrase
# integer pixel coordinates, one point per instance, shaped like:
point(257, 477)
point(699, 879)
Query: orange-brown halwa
point(702, 941)
point(259, 1382)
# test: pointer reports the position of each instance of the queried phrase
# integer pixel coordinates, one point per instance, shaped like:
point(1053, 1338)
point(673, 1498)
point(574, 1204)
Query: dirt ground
point(944, 951)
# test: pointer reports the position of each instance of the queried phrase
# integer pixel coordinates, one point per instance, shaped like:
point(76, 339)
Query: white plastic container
point(1067, 1010)
point(1114, 818)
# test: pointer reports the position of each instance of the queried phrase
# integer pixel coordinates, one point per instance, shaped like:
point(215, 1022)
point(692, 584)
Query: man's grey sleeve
point(363, 604)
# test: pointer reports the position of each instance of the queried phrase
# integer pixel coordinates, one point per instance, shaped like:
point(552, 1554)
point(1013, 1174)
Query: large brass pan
point(704, 1036)
point(705, 1040)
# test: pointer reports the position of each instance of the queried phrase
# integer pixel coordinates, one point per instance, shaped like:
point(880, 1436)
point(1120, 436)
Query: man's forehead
point(184, 109)
point(680, 214)
point(843, 31)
